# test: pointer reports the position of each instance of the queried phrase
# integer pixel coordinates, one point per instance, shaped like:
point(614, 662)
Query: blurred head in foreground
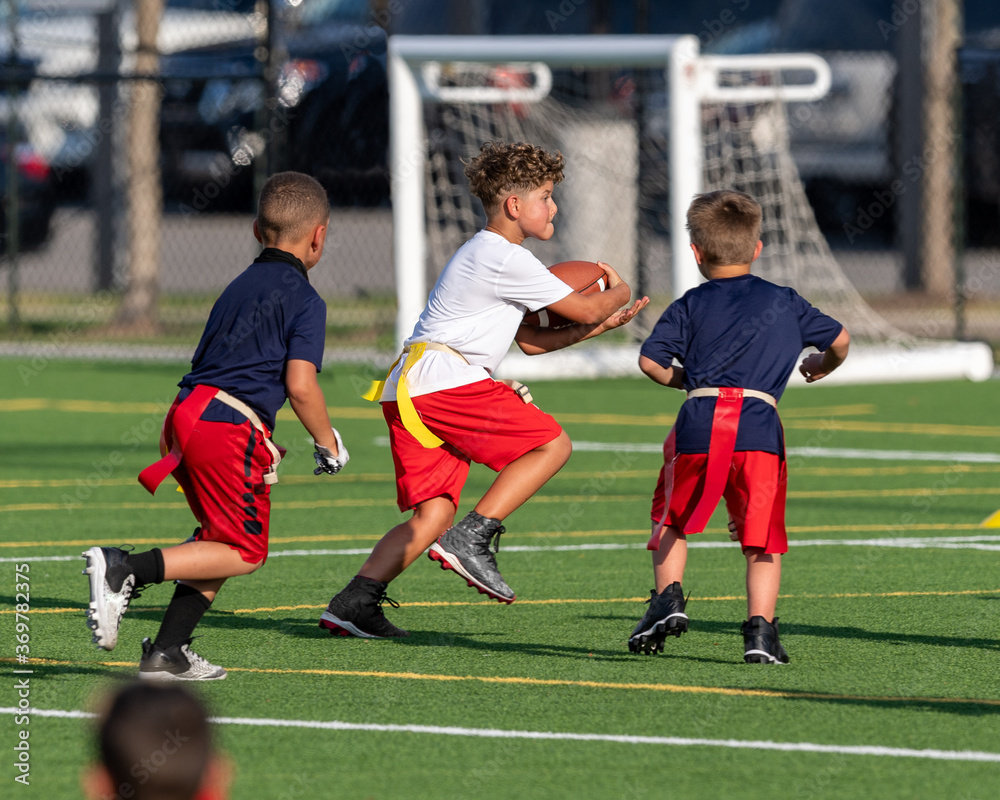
point(155, 743)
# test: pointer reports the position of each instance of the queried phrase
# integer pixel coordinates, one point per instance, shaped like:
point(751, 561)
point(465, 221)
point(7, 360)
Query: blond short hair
point(290, 205)
point(502, 169)
point(726, 226)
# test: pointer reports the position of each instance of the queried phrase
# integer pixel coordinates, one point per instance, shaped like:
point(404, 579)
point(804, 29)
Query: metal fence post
point(109, 60)
point(13, 215)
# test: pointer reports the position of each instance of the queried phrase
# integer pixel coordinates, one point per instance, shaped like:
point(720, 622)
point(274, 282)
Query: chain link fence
point(138, 153)
point(247, 87)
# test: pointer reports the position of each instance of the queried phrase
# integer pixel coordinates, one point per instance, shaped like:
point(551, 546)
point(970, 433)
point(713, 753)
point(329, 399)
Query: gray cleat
point(465, 548)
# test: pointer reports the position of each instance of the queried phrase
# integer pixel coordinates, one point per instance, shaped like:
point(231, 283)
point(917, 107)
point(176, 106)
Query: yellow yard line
point(581, 475)
point(910, 469)
point(826, 417)
point(953, 491)
point(123, 407)
point(910, 428)
point(578, 475)
point(514, 680)
point(639, 534)
point(373, 412)
point(62, 483)
point(555, 601)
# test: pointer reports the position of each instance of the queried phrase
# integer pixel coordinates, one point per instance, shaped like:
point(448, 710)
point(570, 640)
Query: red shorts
point(222, 475)
point(486, 422)
point(754, 496)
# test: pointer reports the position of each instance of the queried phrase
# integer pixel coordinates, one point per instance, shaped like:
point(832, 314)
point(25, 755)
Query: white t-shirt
point(475, 307)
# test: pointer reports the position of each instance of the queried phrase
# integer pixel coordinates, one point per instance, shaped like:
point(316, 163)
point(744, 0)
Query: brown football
point(584, 276)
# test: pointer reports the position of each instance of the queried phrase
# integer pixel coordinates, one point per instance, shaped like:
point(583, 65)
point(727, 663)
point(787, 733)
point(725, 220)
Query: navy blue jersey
point(266, 316)
point(738, 332)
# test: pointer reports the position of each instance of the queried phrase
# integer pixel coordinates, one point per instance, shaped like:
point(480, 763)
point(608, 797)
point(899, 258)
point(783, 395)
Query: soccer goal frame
point(691, 79)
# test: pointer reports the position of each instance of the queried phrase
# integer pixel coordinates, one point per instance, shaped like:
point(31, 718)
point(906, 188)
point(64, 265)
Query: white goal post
point(691, 83)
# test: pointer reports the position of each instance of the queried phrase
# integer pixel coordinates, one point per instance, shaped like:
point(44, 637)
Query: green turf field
point(890, 607)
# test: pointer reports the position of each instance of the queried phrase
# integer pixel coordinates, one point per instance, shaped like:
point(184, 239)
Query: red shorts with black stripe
point(486, 422)
point(754, 495)
point(222, 475)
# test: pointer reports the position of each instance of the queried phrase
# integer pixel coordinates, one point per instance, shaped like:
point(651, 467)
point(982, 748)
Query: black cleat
point(465, 548)
point(761, 643)
point(176, 663)
point(357, 611)
point(665, 617)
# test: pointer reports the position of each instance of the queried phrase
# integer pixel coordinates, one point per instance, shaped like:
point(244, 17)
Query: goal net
point(643, 129)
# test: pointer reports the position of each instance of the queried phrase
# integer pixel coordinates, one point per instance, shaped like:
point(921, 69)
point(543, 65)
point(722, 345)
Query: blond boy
point(737, 338)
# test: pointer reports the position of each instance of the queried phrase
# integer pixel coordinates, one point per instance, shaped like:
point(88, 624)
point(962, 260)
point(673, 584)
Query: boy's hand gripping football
point(326, 461)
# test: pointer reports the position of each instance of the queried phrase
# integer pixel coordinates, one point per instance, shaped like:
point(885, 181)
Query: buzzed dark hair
point(156, 740)
point(503, 169)
point(726, 226)
point(290, 204)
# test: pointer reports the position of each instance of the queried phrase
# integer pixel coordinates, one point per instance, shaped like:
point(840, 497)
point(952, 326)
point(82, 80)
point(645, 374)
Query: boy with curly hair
point(442, 405)
point(737, 338)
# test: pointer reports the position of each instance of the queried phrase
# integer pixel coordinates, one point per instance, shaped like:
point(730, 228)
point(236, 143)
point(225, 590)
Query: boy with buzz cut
point(737, 338)
point(263, 343)
point(442, 405)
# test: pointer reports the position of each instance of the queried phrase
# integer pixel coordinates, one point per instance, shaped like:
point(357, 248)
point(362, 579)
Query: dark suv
point(329, 115)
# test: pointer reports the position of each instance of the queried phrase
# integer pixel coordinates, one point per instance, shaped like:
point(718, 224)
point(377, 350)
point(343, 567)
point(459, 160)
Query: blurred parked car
point(979, 65)
point(61, 38)
point(329, 113)
point(845, 144)
point(35, 198)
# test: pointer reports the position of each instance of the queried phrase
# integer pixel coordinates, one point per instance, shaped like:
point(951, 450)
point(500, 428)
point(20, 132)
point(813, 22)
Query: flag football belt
point(185, 416)
point(722, 445)
point(407, 413)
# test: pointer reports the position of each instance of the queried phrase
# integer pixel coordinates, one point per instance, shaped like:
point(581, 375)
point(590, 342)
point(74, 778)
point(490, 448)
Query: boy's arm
point(308, 402)
point(593, 309)
point(819, 365)
point(666, 376)
point(534, 341)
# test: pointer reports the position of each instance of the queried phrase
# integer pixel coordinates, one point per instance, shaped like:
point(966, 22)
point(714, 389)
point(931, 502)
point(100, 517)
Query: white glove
point(326, 461)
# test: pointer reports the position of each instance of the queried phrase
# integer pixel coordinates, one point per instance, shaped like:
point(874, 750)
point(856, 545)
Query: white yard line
point(495, 733)
point(805, 452)
point(978, 542)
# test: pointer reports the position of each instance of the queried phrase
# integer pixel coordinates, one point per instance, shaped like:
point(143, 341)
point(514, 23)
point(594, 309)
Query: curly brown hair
point(725, 225)
point(290, 204)
point(502, 169)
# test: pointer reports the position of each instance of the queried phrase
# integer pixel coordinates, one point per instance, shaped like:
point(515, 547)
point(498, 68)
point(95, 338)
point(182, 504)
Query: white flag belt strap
point(271, 474)
point(714, 392)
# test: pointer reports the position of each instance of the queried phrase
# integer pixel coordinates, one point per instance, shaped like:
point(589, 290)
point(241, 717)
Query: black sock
point(182, 616)
point(147, 567)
